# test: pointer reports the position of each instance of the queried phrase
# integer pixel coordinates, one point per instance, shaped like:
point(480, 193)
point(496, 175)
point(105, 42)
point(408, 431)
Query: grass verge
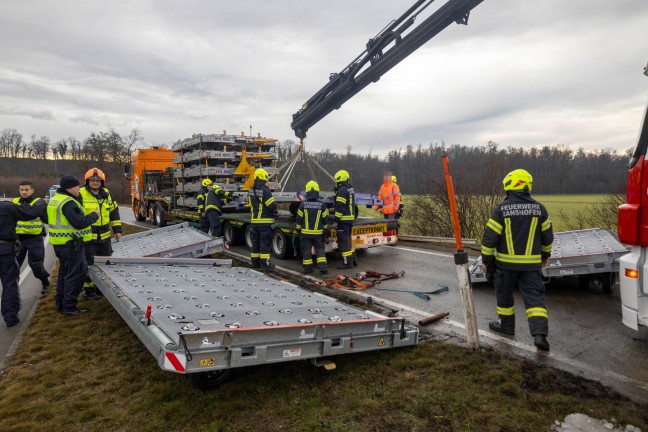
point(91, 373)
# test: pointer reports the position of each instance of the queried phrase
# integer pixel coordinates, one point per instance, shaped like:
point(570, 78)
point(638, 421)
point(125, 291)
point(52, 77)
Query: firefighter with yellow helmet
point(345, 214)
point(96, 196)
point(516, 245)
point(263, 209)
point(216, 199)
point(312, 225)
point(206, 186)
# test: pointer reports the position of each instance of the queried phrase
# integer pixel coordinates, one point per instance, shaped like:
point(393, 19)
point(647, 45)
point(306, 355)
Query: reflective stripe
point(32, 227)
point(213, 207)
point(518, 259)
point(307, 262)
point(546, 224)
point(547, 249)
point(487, 251)
point(340, 199)
point(254, 255)
point(265, 256)
point(105, 206)
point(531, 237)
point(61, 231)
point(270, 201)
point(347, 253)
point(537, 312)
point(321, 260)
point(509, 237)
point(492, 224)
point(506, 311)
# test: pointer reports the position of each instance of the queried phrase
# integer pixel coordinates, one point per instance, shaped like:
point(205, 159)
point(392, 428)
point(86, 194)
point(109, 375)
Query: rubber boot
point(308, 269)
point(540, 341)
point(256, 263)
point(505, 328)
point(323, 270)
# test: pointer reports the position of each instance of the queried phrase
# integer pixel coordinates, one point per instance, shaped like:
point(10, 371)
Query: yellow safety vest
point(104, 207)
point(61, 231)
point(32, 227)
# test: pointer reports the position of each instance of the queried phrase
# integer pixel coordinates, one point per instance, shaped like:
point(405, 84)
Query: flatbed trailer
point(203, 317)
point(366, 233)
point(590, 254)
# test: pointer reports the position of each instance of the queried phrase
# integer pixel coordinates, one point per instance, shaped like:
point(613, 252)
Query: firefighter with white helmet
point(516, 246)
point(97, 197)
point(263, 209)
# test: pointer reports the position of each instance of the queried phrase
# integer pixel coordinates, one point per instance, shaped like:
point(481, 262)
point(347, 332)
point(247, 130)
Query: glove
point(275, 214)
point(376, 207)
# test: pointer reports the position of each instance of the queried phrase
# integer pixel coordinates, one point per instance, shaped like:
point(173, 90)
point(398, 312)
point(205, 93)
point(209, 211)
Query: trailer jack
point(328, 364)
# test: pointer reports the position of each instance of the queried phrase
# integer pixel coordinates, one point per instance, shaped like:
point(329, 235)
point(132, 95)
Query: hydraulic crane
point(383, 52)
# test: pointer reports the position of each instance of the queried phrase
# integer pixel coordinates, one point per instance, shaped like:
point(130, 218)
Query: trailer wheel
point(159, 215)
point(233, 236)
point(209, 380)
point(281, 246)
point(294, 207)
point(137, 211)
point(248, 235)
point(608, 282)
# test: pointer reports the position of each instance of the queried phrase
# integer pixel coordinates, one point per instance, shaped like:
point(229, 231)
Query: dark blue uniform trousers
point(34, 250)
point(9, 273)
point(72, 270)
point(214, 222)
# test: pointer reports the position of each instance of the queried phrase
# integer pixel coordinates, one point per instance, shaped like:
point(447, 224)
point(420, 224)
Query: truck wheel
point(248, 235)
point(137, 211)
point(608, 282)
point(281, 245)
point(159, 215)
point(293, 208)
point(211, 379)
point(584, 281)
point(232, 235)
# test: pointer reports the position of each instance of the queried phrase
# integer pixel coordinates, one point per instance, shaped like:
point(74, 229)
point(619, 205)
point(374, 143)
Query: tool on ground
point(371, 279)
point(421, 294)
point(433, 318)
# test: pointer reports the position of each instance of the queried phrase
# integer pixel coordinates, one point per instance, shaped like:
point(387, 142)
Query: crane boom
point(379, 57)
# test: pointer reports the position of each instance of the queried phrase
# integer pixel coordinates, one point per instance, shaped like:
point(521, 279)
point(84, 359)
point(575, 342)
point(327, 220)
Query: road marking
point(423, 252)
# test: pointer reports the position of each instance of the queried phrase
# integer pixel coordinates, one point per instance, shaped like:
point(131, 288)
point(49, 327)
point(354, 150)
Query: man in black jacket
point(263, 209)
point(216, 198)
point(10, 213)
point(31, 233)
point(516, 246)
point(312, 224)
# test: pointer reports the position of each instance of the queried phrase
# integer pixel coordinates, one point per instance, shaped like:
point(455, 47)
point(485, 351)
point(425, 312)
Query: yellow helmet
point(215, 186)
point(312, 186)
point(394, 179)
point(260, 174)
point(206, 182)
point(341, 176)
point(518, 180)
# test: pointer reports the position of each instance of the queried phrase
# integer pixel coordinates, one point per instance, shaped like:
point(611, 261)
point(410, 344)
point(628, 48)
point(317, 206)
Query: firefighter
point(264, 211)
point(10, 213)
point(516, 245)
point(390, 195)
point(345, 214)
point(202, 198)
point(31, 233)
point(95, 196)
point(312, 224)
point(216, 198)
point(69, 231)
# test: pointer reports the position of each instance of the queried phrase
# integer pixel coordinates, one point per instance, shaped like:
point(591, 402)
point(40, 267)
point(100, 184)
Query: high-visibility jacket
point(518, 235)
point(108, 213)
point(345, 203)
point(201, 198)
point(33, 227)
point(390, 195)
point(262, 203)
point(215, 200)
point(61, 231)
point(312, 218)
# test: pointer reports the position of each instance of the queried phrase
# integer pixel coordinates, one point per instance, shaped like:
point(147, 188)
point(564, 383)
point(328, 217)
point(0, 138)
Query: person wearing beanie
point(69, 230)
point(10, 214)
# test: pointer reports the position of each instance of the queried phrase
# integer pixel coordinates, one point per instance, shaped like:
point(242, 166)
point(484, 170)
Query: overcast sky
point(522, 73)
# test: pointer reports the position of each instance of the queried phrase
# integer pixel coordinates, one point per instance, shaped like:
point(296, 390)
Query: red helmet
point(95, 174)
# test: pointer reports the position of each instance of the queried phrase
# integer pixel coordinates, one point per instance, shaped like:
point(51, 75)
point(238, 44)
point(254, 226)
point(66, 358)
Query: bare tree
point(61, 148)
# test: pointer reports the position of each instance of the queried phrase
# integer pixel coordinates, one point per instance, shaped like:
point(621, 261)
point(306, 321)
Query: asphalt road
point(585, 330)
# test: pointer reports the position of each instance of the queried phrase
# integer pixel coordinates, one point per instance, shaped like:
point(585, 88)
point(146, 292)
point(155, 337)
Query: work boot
point(323, 270)
point(74, 311)
point(345, 266)
point(355, 260)
point(540, 341)
point(256, 263)
point(308, 270)
point(90, 293)
point(59, 304)
point(497, 326)
point(46, 285)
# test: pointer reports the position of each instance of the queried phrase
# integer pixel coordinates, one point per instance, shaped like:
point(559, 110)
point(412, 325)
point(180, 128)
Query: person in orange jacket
point(391, 196)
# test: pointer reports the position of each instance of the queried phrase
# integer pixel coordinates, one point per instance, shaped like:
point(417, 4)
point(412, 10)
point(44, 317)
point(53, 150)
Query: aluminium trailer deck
point(587, 252)
point(208, 317)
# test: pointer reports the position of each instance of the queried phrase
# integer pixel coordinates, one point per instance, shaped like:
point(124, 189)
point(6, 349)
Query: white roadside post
point(461, 260)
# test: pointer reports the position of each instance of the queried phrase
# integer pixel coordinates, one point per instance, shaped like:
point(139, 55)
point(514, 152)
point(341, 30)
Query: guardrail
point(426, 239)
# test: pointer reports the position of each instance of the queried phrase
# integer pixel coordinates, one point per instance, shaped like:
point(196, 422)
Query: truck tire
point(281, 244)
point(247, 230)
point(159, 215)
point(137, 211)
point(608, 282)
point(233, 236)
point(210, 380)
